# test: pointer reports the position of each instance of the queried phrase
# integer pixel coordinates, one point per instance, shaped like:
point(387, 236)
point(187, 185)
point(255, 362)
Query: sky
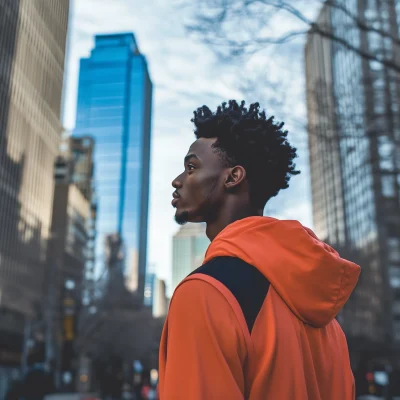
point(187, 74)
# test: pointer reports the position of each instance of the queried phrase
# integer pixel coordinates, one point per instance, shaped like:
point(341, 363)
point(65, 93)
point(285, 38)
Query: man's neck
point(227, 217)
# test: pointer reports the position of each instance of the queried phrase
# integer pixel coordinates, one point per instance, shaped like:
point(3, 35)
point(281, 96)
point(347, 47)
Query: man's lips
point(175, 199)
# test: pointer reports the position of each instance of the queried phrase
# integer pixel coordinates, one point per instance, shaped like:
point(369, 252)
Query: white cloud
point(185, 75)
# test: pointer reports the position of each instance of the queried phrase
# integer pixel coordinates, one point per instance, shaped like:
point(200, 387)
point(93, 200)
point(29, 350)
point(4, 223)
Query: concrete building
point(32, 47)
point(71, 212)
point(161, 301)
point(354, 135)
point(67, 259)
point(189, 246)
point(78, 153)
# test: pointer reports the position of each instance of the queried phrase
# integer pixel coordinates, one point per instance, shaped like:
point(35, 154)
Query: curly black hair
point(246, 137)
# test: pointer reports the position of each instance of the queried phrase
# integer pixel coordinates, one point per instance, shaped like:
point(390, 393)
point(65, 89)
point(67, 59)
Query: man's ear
point(236, 176)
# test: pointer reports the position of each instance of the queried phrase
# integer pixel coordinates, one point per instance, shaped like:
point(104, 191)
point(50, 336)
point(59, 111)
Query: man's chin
point(182, 217)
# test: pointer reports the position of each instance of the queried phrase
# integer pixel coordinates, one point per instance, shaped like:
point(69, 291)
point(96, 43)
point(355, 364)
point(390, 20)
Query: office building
point(354, 133)
point(74, 209)
point(70, 254)
point(189, 246)
point(114, 107)
point(77, 152)
point(149, 287)
point(32, 46)
point(161, 301)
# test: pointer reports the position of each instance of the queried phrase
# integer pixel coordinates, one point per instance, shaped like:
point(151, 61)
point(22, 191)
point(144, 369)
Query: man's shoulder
point(230, 270)
point(245, 282)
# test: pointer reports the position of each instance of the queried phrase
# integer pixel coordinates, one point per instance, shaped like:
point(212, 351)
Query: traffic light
point(371, 382)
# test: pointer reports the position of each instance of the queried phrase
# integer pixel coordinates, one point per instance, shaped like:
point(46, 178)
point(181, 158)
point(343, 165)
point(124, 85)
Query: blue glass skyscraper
point(114, 107)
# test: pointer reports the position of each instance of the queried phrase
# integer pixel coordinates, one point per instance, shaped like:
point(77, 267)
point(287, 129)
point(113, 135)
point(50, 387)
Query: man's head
point(240, 160)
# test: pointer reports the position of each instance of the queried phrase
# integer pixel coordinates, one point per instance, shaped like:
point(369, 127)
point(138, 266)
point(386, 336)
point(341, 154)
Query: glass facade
point(114, 107)
point(356, 203)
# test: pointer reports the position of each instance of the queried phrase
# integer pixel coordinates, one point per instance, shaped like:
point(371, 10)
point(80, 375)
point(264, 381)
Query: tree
point(238, 27)
point(241, 28)
point(274, 32)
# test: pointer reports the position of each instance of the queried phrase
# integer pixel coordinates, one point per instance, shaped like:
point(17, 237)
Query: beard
point(205, 210)
point(182, 218)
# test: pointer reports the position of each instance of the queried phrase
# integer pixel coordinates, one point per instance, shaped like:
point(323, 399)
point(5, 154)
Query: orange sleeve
point(205, 347)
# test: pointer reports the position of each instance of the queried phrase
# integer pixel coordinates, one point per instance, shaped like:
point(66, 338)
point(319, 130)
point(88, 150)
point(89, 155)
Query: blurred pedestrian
point(257, 320)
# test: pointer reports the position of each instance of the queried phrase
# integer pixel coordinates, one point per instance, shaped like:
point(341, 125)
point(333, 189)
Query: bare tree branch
point(363, 53)
point(360, 23)
point(210, 29)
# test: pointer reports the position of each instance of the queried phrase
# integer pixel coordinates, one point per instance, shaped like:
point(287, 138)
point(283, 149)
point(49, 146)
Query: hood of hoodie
point(310, 276)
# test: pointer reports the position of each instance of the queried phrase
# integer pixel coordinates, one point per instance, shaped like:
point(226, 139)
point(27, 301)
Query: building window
point(394, 249)
point(396, 329)
point(388, 186)
point(70, 284)
point(396, 307)
point(394, 277)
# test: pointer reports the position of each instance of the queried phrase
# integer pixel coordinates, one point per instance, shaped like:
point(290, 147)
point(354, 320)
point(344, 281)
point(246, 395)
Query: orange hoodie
point(256, 321)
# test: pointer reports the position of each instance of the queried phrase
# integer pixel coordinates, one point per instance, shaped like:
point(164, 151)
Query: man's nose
point(177, 182)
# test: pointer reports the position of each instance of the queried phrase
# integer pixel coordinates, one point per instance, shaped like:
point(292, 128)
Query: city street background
point(96, 98)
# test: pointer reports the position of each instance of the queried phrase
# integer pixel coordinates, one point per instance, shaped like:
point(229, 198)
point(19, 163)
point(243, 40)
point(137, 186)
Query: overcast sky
point(186, 74)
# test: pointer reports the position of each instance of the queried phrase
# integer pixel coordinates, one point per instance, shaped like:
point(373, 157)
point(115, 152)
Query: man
point(257, 320)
